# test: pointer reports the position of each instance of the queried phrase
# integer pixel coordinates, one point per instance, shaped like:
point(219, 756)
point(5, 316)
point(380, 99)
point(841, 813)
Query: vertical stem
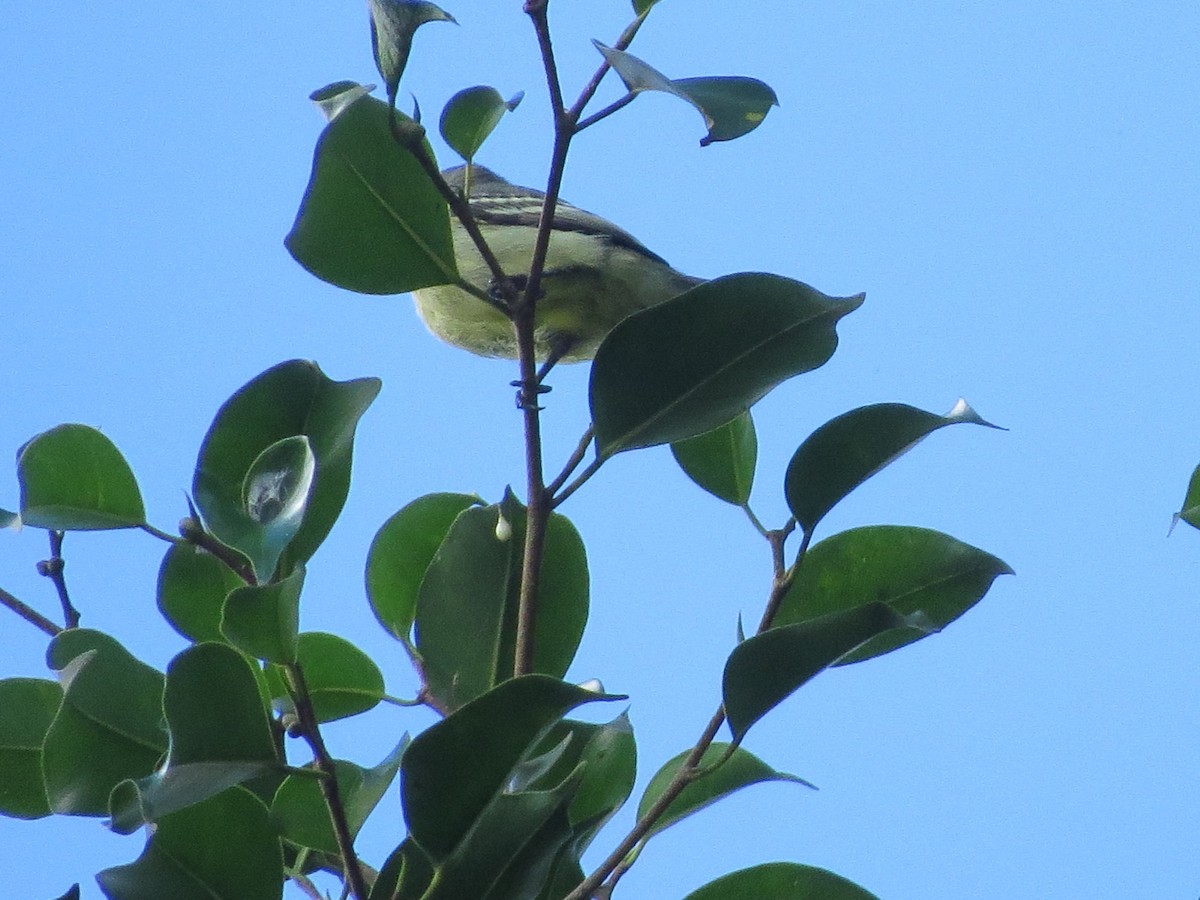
point(52, 568)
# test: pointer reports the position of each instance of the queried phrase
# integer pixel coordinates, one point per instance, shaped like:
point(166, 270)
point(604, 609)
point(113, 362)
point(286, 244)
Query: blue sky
point(1015, 188)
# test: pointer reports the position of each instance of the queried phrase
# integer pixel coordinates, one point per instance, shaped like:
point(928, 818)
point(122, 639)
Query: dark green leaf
point(192, 587)
point(847, 450)
point(467, 605)
point(291, 399)
point(781, 881)
point(912, 570)
point(1190, 511)
point(641, 7)
point(264, 620)
point(371, 220)
point(71, 894)
point(393, 24)
point(401, 552)
point(27, 707)
point(471, 115)
point(764, 670)
point(74, 478)
point(222, 849)
point(342, 680)
point(109, 726)
point(693, 363)
point(9, 519)
point(405, 875)
point(731, 105)
point(741, 769)
point(722, 460)
point(453, 770)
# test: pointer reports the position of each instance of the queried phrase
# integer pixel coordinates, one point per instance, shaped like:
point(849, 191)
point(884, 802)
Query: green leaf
point(731, 105)
point(401, 552)
point(467, 604)
point(781, 881)
point(222, 849)
point(371, 220)
point(27, 707)
point(741, 769)
point(275, 494)
point(693, 363)
point(342, 680)
point(405, 875)
point(764, 670)
point(109, 726)
point(9, 519)
point(455, 769)
point(471, 115)
point(299, 808)
point(912, 570)
point(393, 24)
point(847, 450)
point(722, 461)
point(641, 7)
point(291, 399)
point(71, 894)
point(192, 587)
point(1190, 511)
point(264, 620)
point(74, 478)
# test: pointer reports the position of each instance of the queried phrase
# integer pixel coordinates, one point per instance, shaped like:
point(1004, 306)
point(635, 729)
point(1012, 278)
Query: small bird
point(596, 274)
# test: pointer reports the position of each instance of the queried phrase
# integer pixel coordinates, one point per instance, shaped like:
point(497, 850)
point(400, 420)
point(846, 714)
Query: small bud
point(503, 529)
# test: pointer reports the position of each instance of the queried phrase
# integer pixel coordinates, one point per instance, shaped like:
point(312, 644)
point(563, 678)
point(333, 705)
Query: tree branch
point(28, 613)
point(53, 568)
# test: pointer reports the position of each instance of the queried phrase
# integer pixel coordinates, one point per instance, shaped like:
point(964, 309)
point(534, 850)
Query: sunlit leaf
point(722, 461)
point(342, 680)
point(264, 620)
point(393, 24)
point(27, 707)
point(471, 115)
point(275, 495)
point(912, 570)
point(72, 477)
point(693, 363)
point(192, 587)
point(781, 881)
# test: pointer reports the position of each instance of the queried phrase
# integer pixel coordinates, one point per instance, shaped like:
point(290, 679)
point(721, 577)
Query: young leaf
point(1190, 511)
point(741, 769)
point(764, 670)
point(342, 680)
point(781, 881)
point(192, 587)
point(471, 115)
point(693, 363)
point(224, 848)
point(731, 105)
point(912, 570)
point(847, 450)
point(275, 495)
point(27, 707)
point(291, 399)
point(722, 460)
point(371, 221)
point(401, 552)
point(393, 24)
point(263, 620)
point(452, 771)
point(72, 477)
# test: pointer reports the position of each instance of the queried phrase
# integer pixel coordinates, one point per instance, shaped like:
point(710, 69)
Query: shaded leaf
point(471, 115)
point(393, 24)
point(741, 769)
point(342, 680)
point(371, 220)
point(781, 881)
point(264, 620)
point(693, 363)
point(847, 450)
point(764, 670)
point(1190, 511)
point(222, 849)
point(722, 461)
point(27, 707)
point(9, 519)
point(192, 587)
point(405, 875)
point(912, 570)
point(401, 552)
point(72, 477)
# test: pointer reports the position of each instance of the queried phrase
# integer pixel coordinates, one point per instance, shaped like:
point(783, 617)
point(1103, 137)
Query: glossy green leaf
point(371, 220)
point(471, 115)
point(222, 849)
point(401, 552)
point(1190, 511)
point(393, 24)
point(109, 727)
point(764, 670)
point(291, 399)
point(741, 769)
point(192, 587)
point(912, 570)
point(264, 620)
point(693, 363)
point(27, 707)
point(299, 809)
point(781, 881)
point(72, 477)
point(452, 771)
point(342, 680)
point(731, 105)
point(722, 461)
point(847, 450)
point(467, 604)
point(275, 495)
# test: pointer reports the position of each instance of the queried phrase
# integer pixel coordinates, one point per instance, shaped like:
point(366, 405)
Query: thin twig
point(573, 461)
point(352, 871)
point(29, 614)
point(589, 470)
point(605, 113)
point(53, 569)
point(193, 533)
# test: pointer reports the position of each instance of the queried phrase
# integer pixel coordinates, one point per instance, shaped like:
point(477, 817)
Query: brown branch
point(572, 462)
point(28, 613)
point(53, 568)
point(194, 533)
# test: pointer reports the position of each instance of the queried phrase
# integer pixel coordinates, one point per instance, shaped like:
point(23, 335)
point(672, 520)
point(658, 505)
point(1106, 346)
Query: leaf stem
point(589, 470)
point(572, 462)
point(192, 532)
point(29, 614)
point(606, 112)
